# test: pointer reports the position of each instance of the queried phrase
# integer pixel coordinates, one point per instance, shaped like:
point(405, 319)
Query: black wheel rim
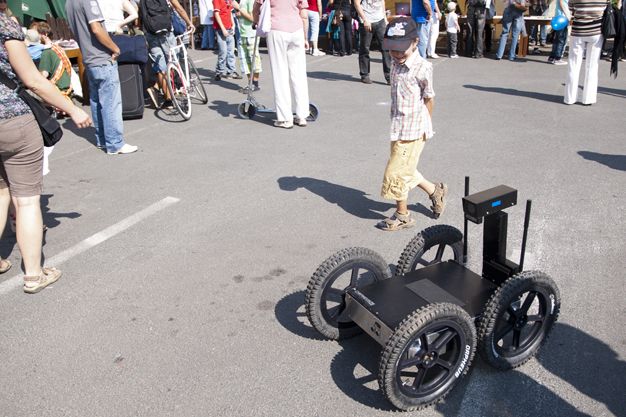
point(333, 298)
point(433, 254)
point(522, 323)
point(430, 359)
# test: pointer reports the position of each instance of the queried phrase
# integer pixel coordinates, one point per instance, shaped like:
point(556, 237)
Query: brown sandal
point(5, 265)
point(35, 284)
point(396, 222)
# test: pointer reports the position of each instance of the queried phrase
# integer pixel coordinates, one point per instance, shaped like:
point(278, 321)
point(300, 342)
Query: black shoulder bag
point(50, 128)
point(609, 27)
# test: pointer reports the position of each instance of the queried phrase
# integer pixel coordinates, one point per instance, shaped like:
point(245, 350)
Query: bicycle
point(183, 79)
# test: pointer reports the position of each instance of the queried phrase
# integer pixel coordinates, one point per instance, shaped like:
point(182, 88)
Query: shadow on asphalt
point(612, 91)
point(617, 162)
point(50, 220)
point(290, 313)
point(520, 93)
point(354, 202)
point(331, 76)
point(588, 364)
point(88, 133)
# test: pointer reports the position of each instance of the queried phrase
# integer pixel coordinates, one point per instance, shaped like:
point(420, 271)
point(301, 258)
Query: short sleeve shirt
point(49, 62)
point(411, 83)
point(419, 12)
point(245, 26)
point(225, 10)
point(10, 104)
point(374, 10)
point(80, 13)
point(286, 14)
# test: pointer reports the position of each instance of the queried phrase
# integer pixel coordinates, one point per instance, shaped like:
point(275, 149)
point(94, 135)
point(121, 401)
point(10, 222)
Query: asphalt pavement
point(185, 264)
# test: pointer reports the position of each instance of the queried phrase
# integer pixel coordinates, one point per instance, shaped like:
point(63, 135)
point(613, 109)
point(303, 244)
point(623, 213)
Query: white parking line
point(94, 240)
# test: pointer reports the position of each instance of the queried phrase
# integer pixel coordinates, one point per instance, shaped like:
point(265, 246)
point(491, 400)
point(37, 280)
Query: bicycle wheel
point(178, 91)
point(197, 87)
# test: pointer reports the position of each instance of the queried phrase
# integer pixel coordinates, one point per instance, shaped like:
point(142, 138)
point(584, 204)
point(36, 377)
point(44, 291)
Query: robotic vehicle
point(432, 316)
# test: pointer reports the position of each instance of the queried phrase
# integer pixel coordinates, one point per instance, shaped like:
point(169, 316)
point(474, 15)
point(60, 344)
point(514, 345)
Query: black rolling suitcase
point(131, 63)
point(131, 84)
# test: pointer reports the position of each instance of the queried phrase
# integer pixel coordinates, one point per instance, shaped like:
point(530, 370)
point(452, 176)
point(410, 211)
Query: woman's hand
point(80, 118)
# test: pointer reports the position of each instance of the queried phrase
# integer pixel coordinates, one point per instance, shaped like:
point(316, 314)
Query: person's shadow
point(514, 92)
point(352, 201)
point(51, 218)
point(612, 161)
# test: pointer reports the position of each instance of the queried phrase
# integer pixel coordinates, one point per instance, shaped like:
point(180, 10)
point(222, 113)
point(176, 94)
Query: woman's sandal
point(396, 222)
point(35, 284)
point(5, 265)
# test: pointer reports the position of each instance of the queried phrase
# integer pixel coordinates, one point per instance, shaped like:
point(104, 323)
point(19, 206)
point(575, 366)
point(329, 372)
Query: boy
point(452, 28)
point(248, 34)
point(223, 24)
point(412, 99)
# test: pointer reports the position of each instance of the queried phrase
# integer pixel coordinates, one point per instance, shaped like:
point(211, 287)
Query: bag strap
point(12, 85)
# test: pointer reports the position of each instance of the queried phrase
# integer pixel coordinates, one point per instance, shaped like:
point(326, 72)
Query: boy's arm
point(429, 103)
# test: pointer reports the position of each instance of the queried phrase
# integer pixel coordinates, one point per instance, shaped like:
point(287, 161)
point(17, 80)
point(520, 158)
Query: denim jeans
point(314, 26)
point(423, 31)
point(378, 31)
point(105, 97)
point(543, 33)
point(517, 21)
point(225, 53)
point(208, 37)
point(558, 44)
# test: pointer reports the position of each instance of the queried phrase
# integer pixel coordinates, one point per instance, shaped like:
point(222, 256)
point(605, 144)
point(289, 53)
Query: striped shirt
point(587, 17)
point(411, 83)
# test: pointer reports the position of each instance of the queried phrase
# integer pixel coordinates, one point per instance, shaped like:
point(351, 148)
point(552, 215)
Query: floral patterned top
point(10, 104)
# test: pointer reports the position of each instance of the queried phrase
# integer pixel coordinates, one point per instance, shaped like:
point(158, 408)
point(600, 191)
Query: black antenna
point(526, 222)
point(465, 224)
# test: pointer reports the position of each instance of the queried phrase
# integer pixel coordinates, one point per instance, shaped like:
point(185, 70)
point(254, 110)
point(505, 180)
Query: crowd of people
point(292, 30)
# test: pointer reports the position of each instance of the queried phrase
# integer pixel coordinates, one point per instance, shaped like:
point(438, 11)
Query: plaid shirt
point(411, 83)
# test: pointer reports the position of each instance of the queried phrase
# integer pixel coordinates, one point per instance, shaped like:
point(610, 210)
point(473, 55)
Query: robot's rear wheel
point(325, 293)
point(432, 245)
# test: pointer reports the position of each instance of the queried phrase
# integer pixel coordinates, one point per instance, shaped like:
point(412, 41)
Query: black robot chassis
point(432, 316)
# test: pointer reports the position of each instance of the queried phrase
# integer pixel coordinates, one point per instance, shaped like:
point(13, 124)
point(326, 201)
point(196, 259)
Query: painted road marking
point(94, 240)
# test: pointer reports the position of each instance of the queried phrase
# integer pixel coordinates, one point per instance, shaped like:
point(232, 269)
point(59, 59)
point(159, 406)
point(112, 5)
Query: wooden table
point(78, 56)
point(523, 43)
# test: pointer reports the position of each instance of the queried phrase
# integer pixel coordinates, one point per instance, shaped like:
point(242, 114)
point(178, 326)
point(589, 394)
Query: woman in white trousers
point(578, 44)
point(287, 45)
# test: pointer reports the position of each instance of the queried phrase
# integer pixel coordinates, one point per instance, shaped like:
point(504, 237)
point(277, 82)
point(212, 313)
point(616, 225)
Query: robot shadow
point(352, 201)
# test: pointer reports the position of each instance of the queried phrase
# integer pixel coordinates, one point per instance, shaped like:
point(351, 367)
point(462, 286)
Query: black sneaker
point(167, 104)
point(218, 77)
point(366, 79)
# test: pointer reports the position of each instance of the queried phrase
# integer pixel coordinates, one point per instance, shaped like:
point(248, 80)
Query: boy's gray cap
point(400, 34)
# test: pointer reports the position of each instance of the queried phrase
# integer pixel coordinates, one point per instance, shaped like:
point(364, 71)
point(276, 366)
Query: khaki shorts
point(401, 174)
point(21, 156)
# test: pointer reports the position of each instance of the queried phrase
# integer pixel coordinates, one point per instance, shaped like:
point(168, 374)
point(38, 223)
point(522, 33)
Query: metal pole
point(193, 38)
point(465, 224)
point(525, 235)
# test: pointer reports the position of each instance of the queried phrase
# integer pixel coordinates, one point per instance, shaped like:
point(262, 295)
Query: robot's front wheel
point(325, 294)
point(517, 319)
point(432, 245)
point(426, 355)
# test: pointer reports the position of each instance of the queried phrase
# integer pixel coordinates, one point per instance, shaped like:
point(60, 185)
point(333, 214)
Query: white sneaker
point(125, 149)
point(317, 52)
point(433, 56)
point(454, 56)
point(559, 62)
point(299, 122)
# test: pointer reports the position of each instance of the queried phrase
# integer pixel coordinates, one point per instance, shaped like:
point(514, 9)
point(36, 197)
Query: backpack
point(609, 22)
point(477, 4)
point(156, 16)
